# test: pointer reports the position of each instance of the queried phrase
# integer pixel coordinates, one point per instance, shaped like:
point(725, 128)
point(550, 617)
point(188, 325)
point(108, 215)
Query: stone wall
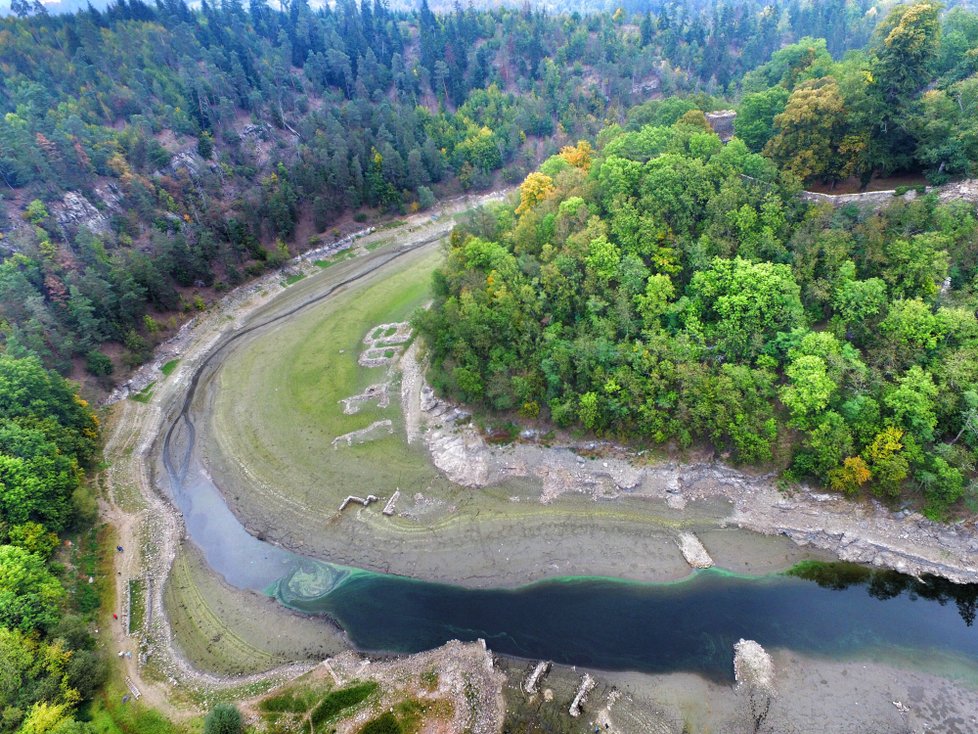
point(960, 191)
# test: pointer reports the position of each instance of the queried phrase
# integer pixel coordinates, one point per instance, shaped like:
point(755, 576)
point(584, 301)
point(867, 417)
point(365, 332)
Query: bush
point(384, 724)
point(426, 199)
point(223, 719)
point(98, 364)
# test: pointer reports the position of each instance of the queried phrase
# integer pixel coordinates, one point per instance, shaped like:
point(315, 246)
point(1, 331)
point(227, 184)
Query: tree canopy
point(678, 291)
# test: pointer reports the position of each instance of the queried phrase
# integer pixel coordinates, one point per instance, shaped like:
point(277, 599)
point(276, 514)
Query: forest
point(49, 438)
point(152, 156)
point(667, 287)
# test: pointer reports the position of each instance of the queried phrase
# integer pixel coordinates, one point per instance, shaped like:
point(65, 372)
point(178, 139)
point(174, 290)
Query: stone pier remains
point(587, 683)
point(532, 681)
point(389, 507)
point(361, 500)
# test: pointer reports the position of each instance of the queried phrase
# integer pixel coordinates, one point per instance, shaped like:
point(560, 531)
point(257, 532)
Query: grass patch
point(137, 604)
point(429, 679)
point(293, 279)
point(413, 713)
point(144, 395)
point(88, 562)
point(330, 261)
point(108, 715)
point(288, 703)
point(278, 405)
point(392, 224)
point(336, 701)
point(386, 723)
point(168, 368)
point(311, 708)
point(379, 243)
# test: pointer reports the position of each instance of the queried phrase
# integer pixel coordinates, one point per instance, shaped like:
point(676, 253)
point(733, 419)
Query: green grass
point(380, 243)
point(86, 557)
point(338, 258)
point(108, 715)
point(144, 395)
point(288, 702)
point(336, 701)
point(386, 723)
point(392, 224)
point(307, 707)
point(137, 604)
point(293, 279)
point(277, 403)
point(168, 368)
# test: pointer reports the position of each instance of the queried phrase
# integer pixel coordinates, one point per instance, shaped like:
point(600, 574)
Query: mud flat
point(862, 532)
point(231, 632)
point(872, 696)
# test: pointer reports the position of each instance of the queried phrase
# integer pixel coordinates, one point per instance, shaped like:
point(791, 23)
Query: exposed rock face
point(722, 123)
point(959, 191)
point(75, 211)
point(187, 161)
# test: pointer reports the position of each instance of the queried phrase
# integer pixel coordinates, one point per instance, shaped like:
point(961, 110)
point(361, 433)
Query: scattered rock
point(693, 551)
point(753, 666)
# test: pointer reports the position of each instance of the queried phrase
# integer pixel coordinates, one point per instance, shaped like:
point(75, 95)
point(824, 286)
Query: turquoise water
point(839, 609)
point(659, 628)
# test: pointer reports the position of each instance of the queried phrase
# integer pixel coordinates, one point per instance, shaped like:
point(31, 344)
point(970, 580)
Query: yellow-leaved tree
point(534, 189)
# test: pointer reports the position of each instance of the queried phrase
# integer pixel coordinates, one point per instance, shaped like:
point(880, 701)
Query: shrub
point(386, 723)
point(98, 364)
point(223, 719)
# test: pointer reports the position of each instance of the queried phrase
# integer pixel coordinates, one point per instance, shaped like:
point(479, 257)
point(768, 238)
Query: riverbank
point(508, 526)
point(862, 532)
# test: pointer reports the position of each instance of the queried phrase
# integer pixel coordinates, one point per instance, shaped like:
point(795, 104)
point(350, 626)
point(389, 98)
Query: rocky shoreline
point(859, 531)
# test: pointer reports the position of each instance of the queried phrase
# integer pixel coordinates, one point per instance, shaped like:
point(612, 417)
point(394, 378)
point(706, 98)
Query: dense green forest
point(48, 661)
point(199, 148)
point(671, 288)
point(908, 103)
